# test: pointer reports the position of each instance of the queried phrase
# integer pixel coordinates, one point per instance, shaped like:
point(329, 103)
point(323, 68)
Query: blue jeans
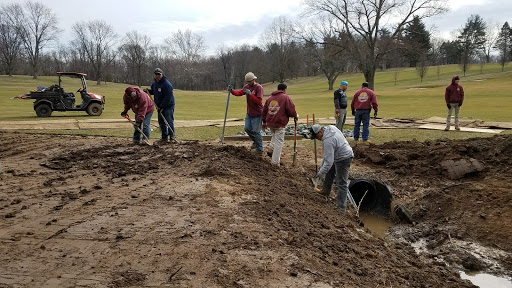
point(362, 115)
point(253, 129)
point(338, 171)
point(169, 116)
point(145, 128)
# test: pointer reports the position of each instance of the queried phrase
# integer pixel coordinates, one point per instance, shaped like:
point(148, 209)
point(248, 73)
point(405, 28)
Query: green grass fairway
point(487, 97)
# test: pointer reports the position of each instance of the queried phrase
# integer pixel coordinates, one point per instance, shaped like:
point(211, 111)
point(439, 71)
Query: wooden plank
point(464, 129)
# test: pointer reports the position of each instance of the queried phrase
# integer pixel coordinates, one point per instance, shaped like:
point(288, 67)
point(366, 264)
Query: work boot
point(457, 127)
point(447, 128)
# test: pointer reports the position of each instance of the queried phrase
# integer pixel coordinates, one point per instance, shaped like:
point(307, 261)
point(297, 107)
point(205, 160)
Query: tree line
point(333, 37)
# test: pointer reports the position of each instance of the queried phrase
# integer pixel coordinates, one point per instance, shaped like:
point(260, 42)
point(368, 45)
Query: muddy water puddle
point(483, 280)
point(377, 224)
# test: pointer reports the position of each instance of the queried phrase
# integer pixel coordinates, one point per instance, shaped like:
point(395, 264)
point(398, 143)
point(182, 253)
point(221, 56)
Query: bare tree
point(492, 32)
point(436, 55)
point(36, 25)
point(10, 44)
point(277, 39)
point(225, 55)
point(96, 38)
point(422, 66)
point(134, 52)
point(362, 21)
point(186, 46)
point(327, 46)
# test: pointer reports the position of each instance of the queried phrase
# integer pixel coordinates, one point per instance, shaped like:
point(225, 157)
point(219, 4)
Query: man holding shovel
point(143, 107)
point(338, 156)
point(164, 100)
point(254, 95)
point(276, 111)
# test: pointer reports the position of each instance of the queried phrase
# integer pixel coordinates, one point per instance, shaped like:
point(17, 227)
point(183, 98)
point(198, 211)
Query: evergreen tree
point(504, 44)
point(471, 40)
point(416, 40)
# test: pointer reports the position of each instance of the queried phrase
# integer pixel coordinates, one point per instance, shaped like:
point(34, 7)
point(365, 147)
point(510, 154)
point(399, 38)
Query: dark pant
point(338, 172)
point(362, 115)
point(168, 113)
point(145, 128)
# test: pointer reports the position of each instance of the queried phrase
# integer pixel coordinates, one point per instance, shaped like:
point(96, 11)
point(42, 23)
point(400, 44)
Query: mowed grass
point(487, 97)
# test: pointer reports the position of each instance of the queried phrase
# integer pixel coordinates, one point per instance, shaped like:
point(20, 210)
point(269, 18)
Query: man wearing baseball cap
point(254, 94)
point(340, 105)
point(164, 101)
point(338, 156)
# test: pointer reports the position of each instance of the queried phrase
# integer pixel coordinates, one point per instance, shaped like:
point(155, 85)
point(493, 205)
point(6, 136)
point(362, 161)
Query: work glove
point(375, 115)
point(123, 114)
point(448, 105)
point(230, 89)
point(247, 92)
point(353, 112)
point(337, 115)
point(263, 126)
point(138, 124)
point(460, 104)
point(146, 90)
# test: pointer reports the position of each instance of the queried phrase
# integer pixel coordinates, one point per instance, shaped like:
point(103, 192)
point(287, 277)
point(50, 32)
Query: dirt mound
point(81, 211)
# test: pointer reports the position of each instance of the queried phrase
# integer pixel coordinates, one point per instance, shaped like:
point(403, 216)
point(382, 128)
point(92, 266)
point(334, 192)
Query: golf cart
point(55, 99)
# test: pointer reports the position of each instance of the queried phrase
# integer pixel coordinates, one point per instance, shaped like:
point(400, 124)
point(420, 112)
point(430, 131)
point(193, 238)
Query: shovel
point(295, 143)
point(138, 128)
point(165, 120)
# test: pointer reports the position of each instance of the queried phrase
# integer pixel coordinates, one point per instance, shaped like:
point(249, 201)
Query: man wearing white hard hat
point(254, 95)
point(338, 156)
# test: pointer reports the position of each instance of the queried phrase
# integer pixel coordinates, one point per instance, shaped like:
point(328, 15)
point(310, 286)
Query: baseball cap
point(159, 71)
point(314, 130)
point(344, 83)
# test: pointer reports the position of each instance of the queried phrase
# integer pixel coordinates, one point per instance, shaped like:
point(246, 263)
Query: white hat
point(250, 76)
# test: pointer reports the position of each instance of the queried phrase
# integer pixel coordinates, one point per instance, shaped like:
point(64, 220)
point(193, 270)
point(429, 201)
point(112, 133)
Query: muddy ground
point(100, 212)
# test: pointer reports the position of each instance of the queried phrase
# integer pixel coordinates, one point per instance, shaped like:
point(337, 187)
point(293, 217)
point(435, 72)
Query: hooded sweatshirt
point(254, 101)
point(163, 91)
point(364, 98)
point(336, 148)
point(138, 101)
point(277, 109)
point(454, 93)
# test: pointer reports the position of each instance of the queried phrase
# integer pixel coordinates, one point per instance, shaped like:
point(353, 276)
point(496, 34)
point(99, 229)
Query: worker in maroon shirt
point(254, 95)
point(361, 105)
point(454, 96)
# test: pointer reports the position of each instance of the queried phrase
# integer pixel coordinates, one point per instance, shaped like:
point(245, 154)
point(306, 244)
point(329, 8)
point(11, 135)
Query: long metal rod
point(165, 121)
point(295, 143)
point(227, 104)
point(316, 160)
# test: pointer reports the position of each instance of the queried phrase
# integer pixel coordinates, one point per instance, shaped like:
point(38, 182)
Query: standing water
point(377, 224)
point(483, 280)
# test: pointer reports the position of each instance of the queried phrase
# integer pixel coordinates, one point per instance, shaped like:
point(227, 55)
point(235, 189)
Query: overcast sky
point(231, 22)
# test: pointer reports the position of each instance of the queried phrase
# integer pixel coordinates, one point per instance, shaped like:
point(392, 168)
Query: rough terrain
point(100, 212)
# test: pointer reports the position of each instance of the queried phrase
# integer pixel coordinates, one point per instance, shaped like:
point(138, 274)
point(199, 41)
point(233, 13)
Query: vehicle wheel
point(94, 109)
point(43, 110)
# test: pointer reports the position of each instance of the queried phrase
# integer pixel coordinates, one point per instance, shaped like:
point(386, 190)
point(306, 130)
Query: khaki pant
point(276, 143)
point(448, 118)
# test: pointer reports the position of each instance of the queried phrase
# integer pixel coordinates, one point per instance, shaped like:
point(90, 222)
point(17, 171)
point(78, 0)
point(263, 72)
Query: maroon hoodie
point(138, 101)
point(454, 93)
point(277, 109)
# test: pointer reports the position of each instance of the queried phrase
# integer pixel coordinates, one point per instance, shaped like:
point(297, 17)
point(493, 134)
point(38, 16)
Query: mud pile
point(93, 211)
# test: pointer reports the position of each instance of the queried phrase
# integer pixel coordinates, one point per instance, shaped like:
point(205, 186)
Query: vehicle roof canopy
point(72, 74)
